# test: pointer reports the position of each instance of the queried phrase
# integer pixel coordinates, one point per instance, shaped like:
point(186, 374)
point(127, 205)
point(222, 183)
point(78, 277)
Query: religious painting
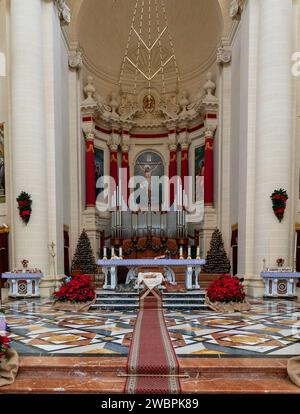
point(148, 165)
point(2, 165)
point(199, 170)
point(99, 170)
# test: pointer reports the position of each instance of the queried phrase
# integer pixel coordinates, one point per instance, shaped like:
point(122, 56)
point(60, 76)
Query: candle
point(112, 252)
point(121, 252)
point(181, 252)
point(104, 253)
point(189, 252)
point(198, 252)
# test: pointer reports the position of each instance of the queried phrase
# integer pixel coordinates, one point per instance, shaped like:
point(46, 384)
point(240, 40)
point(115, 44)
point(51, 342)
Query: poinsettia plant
point(279, 199)
point(78, 289)
point(4, 346)
point(226, 289)
point(24, 205)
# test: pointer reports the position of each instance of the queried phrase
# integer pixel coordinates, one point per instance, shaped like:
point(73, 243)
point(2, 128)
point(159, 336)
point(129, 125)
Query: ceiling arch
point(101, 27)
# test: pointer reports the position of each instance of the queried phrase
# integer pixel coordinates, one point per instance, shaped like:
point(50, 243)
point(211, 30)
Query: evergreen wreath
point(24, 205)
point(279, 198)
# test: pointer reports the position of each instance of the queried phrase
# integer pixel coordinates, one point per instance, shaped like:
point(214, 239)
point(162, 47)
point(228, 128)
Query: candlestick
point(198, 253)
point(121, 253)
point(104, 253)
point(180, 253)
point(112, 252)
point(189, 252)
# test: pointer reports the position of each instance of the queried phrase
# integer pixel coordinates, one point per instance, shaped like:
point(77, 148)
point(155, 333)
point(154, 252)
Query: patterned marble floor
point(269, 329)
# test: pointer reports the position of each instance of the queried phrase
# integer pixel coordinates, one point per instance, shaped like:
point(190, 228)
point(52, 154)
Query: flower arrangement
point(280, 262)
point(33, 270)
point(279, 199)
point(77, 290)
point(25, 263)
point(226, 289)
point(4, 346)
point(24, 205)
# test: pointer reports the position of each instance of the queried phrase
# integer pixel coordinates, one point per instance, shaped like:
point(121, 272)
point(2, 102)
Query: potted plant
point(9, 360)
point(227, 294)
point(76, 293)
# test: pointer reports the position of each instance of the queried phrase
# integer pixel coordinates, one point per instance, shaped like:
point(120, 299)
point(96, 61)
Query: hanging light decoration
point(149, 55)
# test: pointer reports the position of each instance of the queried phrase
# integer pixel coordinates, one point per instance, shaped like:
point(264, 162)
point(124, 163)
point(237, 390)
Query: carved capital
point(113, 142)
point(209, 131)
point(64, 11)
point(75, 60)
point(125, 143)
point(89, 130)
point(223, 55)
point(236, 8)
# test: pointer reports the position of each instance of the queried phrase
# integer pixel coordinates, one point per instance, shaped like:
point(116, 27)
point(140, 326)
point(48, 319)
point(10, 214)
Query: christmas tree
point(84, 259)
point(216, 259)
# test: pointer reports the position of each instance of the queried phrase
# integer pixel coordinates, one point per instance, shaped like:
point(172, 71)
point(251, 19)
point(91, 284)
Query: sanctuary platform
point(233, 353)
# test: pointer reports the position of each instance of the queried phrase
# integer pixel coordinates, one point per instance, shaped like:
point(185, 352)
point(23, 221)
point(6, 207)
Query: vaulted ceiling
point(101, 28)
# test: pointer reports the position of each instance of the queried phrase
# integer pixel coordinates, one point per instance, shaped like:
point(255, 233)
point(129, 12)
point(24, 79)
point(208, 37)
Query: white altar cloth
point(150, 279)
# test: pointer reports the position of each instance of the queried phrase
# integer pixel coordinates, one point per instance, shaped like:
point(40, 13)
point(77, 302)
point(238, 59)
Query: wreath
point(24, 205)
point(279, 198)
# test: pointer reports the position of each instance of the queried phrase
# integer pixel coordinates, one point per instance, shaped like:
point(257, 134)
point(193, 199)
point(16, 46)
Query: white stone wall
point(235, 127)
point(57, 116)
point(4, 211)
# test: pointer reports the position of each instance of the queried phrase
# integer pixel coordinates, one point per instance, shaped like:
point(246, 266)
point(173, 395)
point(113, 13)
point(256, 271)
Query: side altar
point(23, 284)
point(280, 282)
point(110, 270)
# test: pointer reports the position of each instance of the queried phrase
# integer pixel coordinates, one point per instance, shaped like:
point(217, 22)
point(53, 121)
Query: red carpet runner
point(152, 364)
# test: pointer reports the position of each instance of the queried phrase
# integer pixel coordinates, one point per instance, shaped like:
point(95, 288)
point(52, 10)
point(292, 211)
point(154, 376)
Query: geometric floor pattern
point(269, 329)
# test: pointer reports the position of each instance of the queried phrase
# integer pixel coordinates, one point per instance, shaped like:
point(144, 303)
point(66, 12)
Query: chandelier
point(149, 60)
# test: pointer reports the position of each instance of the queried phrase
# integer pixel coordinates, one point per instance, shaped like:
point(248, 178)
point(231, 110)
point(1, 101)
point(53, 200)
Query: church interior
point(150, 196)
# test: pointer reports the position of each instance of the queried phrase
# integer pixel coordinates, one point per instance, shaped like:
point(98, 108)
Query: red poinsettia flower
point(78, 289)
point(226, 289)
point(4, 346)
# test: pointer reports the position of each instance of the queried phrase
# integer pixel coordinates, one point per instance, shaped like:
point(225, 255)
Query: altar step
point(105, 375)
point(111, 300)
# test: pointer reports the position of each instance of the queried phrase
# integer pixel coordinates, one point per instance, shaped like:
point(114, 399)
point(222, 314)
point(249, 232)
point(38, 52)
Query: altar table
point(23, 285)
point(280, 284)
point(193, 268)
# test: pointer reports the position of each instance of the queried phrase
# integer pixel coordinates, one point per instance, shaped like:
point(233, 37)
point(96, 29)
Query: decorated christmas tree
point(84, 260)
point(216, 259)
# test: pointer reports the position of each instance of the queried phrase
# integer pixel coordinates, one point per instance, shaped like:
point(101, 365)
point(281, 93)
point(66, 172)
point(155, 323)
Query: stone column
point(113, 146)
point(184, 143)
point(125, 165)
point(173, 162)
point(209, 168)
point(272, 239)
point(90, 184)
point(89, 108)
point(29, 164)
